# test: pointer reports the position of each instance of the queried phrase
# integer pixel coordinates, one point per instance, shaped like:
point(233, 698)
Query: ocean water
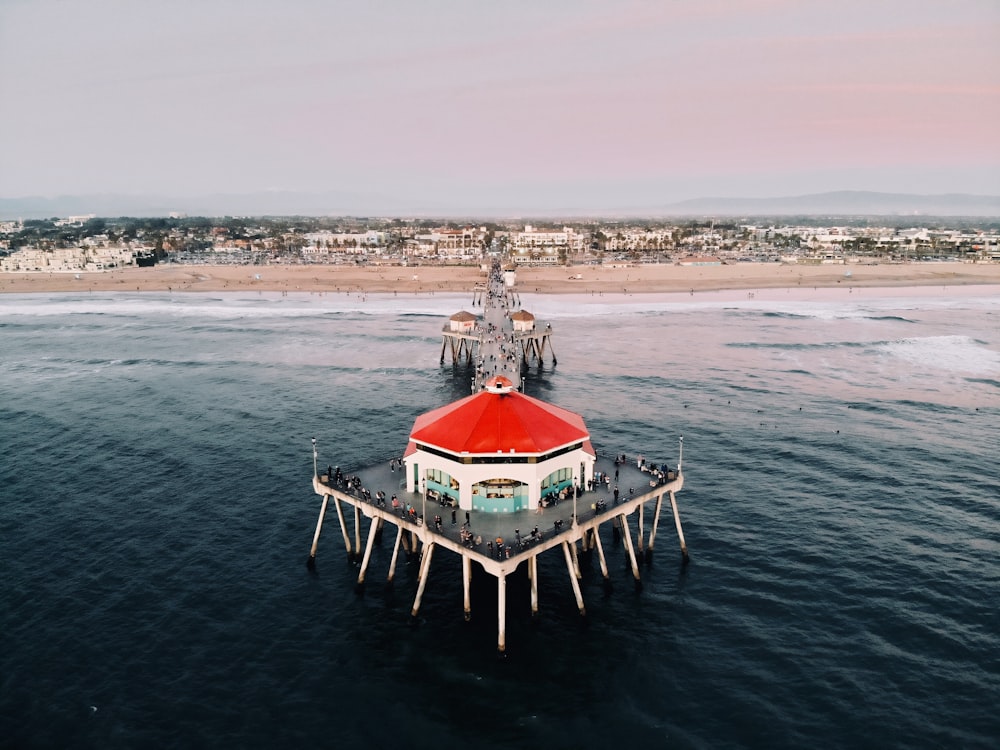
point(841, 507)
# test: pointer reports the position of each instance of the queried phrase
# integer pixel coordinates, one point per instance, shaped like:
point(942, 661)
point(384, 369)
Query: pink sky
point(588, 101)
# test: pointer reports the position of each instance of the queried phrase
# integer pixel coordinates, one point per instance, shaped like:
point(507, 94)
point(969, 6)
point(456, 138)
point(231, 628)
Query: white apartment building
point(357, 241)
point(636, 239)
point(68, 259)
point(452, 243)
point(534, 245)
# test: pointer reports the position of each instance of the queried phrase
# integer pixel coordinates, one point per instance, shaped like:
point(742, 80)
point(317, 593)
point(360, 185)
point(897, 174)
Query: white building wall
point(469, 474)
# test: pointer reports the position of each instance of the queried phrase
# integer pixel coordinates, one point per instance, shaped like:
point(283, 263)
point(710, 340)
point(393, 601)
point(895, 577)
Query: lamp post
point(423, 491)
point(680, 457)
point(574, 506)
point(315, 456)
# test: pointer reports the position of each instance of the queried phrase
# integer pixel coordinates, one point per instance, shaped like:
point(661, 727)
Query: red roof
point(489, 422)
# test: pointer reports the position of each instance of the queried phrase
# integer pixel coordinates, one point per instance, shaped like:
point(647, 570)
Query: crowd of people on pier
point(497, 548)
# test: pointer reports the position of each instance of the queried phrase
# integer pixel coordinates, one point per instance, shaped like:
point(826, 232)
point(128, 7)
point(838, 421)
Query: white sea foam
point(231, 306)
point(959, 354)
point(823, 304)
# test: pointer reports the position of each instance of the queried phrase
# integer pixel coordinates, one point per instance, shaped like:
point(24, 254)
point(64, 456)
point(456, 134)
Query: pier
point(499, 478)
point(503, 326)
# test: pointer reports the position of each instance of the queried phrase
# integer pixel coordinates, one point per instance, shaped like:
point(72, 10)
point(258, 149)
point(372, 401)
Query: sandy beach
point(551, 280)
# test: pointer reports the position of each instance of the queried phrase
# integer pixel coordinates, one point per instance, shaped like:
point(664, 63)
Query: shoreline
point(638, 279)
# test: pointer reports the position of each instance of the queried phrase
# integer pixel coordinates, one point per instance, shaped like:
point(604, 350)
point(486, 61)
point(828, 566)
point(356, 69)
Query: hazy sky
point(551, 101)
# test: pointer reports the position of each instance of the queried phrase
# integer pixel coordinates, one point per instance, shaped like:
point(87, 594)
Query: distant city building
point(705, 260)
point(69, 259)
point(462, 243)
point(544, 246)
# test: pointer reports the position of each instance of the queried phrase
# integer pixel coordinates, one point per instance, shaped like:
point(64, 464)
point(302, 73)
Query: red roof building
point(498, 450)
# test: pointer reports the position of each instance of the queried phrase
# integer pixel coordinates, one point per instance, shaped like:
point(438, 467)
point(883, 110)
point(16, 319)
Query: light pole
point(680, 457)
point(315, 456)
point(574, 505)
point(423, 491)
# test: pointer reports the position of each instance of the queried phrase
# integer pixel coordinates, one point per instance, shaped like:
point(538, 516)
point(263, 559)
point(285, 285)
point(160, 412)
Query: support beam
point(395, 553)
point(357, 529)
point(642, 526)
point(680, 531)
point(466, 585)
point(627, 536)
point(343, 524)
point(572, 578)
point(372, 532)
point(656, 521)
point(407, 540)
point(311, 562)
point(533, 576)
point(576, 560)
point(501, 613)
point(425, 566)
point(600, 554)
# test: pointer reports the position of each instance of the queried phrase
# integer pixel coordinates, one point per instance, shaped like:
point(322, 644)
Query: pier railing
point(376, 485)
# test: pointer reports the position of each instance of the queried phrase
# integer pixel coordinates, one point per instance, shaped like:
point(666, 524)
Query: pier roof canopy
point(499, 420)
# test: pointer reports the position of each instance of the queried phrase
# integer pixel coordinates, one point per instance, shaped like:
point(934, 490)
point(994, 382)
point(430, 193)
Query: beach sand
point(551, 280)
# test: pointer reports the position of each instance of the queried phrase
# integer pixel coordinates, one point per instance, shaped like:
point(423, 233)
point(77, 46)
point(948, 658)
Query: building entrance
point(500, 496)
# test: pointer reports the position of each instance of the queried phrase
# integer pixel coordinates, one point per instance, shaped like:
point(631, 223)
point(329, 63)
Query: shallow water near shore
point(840, 506)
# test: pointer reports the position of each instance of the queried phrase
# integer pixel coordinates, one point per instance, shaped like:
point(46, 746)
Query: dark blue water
point(841, 507)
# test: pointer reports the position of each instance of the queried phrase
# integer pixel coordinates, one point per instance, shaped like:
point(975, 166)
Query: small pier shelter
point(461, 333)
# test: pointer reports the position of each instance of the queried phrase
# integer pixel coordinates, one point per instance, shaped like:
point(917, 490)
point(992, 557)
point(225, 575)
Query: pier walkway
point(498, 347)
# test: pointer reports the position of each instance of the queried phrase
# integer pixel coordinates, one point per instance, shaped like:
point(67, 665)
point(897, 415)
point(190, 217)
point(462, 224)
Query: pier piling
point(425, 566)
point(533, 579)
point(372, 532)
point(501, 613)
point(680, 531)
point(600, 554)
point(573, 579)
point(395, 552)
point(311, 563)
point(343, 525)
point(656, 521)
point(627, 536)
point(466, 586)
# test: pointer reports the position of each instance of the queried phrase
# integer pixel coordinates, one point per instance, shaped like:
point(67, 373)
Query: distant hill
point(843, 203)
point(339, 203)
